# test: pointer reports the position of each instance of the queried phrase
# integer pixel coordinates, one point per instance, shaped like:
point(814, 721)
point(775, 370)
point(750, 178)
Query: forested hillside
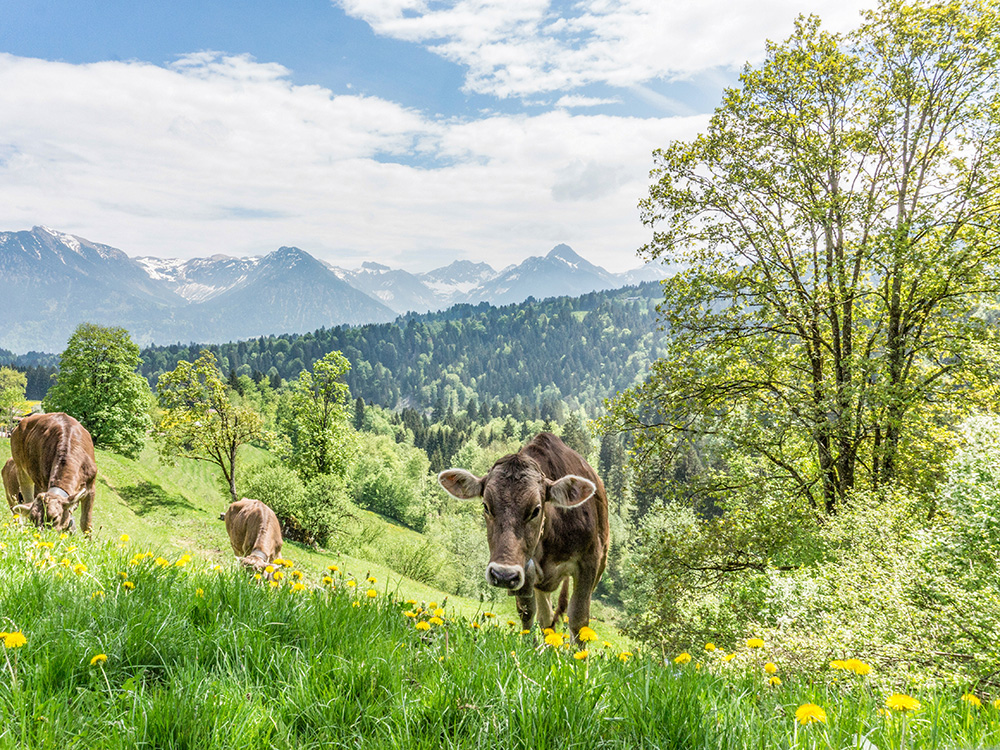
point(575, 351)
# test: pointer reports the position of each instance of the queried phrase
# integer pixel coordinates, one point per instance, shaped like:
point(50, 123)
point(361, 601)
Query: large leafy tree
point(203, 419)
point(318, 422)
point(98, 384)
point(838, 223)
point(12, 389)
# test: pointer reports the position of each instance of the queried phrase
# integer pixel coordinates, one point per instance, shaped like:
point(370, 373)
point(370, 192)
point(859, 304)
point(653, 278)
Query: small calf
point(254, 532)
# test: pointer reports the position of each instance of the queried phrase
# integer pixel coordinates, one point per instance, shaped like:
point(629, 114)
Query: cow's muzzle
point(505, 576)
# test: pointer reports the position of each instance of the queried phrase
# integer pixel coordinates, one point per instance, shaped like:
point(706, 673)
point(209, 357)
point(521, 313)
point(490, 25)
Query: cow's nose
point(505, 576)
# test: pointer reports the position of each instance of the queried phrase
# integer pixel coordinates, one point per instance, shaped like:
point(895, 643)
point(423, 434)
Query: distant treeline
point(38, 368)
point(572, 350)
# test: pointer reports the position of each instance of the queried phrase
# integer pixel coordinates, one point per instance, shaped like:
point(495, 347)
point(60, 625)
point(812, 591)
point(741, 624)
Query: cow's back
point(47, 444)
point(252, 525)
point(583, 530)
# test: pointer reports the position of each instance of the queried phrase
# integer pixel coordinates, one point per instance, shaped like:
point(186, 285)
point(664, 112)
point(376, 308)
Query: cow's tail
point(563, 602)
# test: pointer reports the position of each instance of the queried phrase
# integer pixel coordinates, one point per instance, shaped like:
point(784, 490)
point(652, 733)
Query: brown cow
point(10, 483)
point(540, 527)
point(253, 531)
point(54, 453)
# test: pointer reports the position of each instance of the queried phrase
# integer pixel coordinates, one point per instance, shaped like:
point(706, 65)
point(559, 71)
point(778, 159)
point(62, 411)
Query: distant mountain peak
point(369, 265)
point(564, 252)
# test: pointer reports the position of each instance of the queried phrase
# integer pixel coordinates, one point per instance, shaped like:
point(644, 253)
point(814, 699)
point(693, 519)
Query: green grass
point(204, 658)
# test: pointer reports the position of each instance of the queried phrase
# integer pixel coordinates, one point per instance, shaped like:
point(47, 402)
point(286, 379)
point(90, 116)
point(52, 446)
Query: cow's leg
point(544, 602)
point(87, 510)
point(26, 486)
point(579, 603)
point(526, 609)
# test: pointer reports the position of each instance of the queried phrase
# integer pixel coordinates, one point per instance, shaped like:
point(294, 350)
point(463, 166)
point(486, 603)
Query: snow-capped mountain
point(51, 281)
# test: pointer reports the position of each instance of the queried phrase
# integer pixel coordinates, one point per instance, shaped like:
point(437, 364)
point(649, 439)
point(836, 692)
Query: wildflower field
point(108, 645)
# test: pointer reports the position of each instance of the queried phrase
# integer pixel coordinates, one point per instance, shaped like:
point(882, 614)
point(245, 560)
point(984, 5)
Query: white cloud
point(224, 154)
point(571, 101)
point(520, 49)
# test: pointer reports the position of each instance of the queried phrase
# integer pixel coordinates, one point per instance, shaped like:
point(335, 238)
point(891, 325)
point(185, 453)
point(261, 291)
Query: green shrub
point(391, 479)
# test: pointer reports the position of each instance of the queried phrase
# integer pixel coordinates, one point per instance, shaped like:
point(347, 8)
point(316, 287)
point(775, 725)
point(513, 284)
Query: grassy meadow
point(147, 635)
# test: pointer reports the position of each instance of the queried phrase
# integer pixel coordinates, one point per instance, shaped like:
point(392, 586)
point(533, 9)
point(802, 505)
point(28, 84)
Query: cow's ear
point(461, 483)
point(570, 491)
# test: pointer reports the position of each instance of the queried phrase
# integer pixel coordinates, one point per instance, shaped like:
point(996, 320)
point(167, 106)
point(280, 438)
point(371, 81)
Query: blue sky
point(411, 132)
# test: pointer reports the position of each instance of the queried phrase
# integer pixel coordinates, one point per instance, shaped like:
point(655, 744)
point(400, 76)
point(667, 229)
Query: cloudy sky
point(410, 132)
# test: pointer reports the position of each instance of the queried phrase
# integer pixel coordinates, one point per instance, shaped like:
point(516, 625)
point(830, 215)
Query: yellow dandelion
point(269, 569)
point(288, 563)
point(98, 659)
point(199, 593)
point(124, 538)
point(755, 643)
point(217, 568)
point(277, 575)
point(372, 580)
point(297, 575)
point(79, 569)
point(97, 595)
point(474, 625)
point(682, 658)
point(857, 666)
point(371, 593)
point(608, 644)
point(774, 681)
point(554, 639)
point(838, 664)
point(899, 702)
point(355, 603)
point(586, 634)
point(972, 700)
point(411, 602)
point(410, 614)
point(996, 704)
point(489, 615)
point(710, 647)
point(432, 605)
point(580, 655)
point(810, 713)
point(332, 568)
point(511, 623)
point(436, 621)
point(257, 576)
point(274, 584)
point(625, 655)
point(352, 583)
point(128, 585)
point(547, 631)
point(729, 657)
point(162, 562)
point(422, 626)
point(770, 667)
point(525, 632)
point(71, 548)
point(64, 536)
point(298, 587)
point(14, 640)
point(327, 580)
point(439, 612)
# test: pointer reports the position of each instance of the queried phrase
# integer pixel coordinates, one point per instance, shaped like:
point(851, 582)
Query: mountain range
point(52, 281)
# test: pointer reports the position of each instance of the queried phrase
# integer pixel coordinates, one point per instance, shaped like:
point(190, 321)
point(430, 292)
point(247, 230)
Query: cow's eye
point(534, 513)
point(486, 509)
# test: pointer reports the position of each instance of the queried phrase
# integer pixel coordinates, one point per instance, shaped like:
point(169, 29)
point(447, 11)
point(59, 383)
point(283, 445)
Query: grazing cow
point(10, 483)
point(541, 529)
point(55, 455)
point(254, 532)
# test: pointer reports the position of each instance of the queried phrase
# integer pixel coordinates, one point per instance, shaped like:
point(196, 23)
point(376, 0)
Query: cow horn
point(21, 511)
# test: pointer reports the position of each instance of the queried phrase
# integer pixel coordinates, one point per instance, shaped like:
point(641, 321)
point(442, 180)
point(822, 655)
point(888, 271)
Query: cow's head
point(515, 495)
point(53, 508)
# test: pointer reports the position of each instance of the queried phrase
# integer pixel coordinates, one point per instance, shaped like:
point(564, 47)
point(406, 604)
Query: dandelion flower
point(410, 614)
point(97, 595)
point(587, 634)
point(474, 625)
point(332, 568)
point(899, 702)
point(996, 704)
point(489, 615)
point(436, 621)
point(274, 584)
point(774, 681)
point(755, 643)
point(199, 593)
point(838, 664)
point(625, 655)
point(608, 644)
point(355, 603)
point(124, 538)
point(98, 659)
point(298, 586)
point(580, 655)
point(327, 580)
point(372, 580)
point(411, 602)
point(770, 667)
point(729, 657)
point(432, 605)
point(217, 568)
point(547, 631)
point(372, 593)
point(525, 632)
point(269, 569)
point(972, 700)
point(297, 575)
point(162, 562)
point(352, 583)
point(682, 658)
point(857, 666)
point(128, 585)
point(810, 713)
point(554, 639)
point(423, 625)
point(14, 640)
point(439, 612)
point(278, 575)
point(710, 647)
